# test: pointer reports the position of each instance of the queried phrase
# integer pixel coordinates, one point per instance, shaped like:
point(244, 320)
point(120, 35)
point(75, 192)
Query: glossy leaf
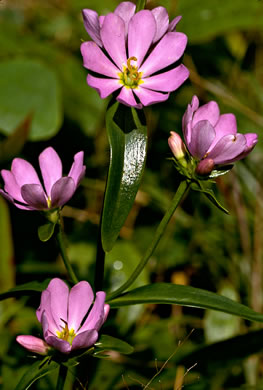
point(25, 289)
point(127, 136)
point(185, 296)
point(35, 372)
point(29, 87)
point(45, 232)
point(108, 343)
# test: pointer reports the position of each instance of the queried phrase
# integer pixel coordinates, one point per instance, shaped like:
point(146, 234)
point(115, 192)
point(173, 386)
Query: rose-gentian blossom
point(212, 139)
point(24, 189)
point(134, 52)
point(62, 315)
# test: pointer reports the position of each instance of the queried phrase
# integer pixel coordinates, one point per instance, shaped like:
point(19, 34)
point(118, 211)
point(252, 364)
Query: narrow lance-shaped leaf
point(108, 343)
point(185, 296)
point(35, 372)
point(127, 135)
point(25, 289)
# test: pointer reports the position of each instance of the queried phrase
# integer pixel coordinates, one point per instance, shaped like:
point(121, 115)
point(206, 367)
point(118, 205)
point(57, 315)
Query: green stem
point(140, 5)
point(183, 187)
point(64, 255)
point(61, 377)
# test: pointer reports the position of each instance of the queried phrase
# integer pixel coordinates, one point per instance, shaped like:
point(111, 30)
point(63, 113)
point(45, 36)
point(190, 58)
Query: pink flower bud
point(33, 344)
point(205, 167)
point(176, 145)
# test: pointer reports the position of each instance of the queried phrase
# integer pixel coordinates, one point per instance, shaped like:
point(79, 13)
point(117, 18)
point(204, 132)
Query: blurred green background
point(41, 77)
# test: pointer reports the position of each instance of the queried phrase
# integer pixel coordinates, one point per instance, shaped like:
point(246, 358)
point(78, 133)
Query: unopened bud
point(205, 167)
point(176, 145)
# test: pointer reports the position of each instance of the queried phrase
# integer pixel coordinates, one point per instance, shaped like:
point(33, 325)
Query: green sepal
point(168, 293)
point(108, 343)
point(218, 172)
point(199, 187)
point(25, 289)
point(140, 4)
point(127, 134)
point(46, 231)
point(36, 371)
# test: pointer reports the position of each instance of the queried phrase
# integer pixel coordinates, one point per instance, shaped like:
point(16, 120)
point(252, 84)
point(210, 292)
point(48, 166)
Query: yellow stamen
point(66, 333)
point(130, 77)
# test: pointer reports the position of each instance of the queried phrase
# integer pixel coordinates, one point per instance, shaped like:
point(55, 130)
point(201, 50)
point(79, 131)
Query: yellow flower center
point(66, 333)
point(130, 77)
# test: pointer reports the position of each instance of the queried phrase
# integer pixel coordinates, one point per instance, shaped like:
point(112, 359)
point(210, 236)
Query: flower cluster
point(131, 52)
point(24, 189)
point(62, 314)
point(211, 139)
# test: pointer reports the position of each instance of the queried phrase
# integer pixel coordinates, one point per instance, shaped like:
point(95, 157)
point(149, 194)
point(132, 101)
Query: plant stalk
point(64, 255)
point(182, 189)
point(62, 375)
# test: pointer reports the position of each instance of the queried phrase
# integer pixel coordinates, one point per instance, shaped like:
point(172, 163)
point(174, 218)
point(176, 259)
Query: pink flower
point(24, 189)
point(61, 314)
point(132, 52)
point(212, 138)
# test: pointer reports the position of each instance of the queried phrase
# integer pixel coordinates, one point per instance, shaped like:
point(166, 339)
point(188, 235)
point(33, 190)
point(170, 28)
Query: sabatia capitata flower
point(134, 52)
point(62, 314)
point(24, 189)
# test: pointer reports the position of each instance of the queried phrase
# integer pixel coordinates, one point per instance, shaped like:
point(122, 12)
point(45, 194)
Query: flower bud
point(205, 167)
point(176, 145)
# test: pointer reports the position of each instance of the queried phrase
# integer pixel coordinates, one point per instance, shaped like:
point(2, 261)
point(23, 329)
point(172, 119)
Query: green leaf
point(209, 194)
point(185, 296)
point(25, 289)
point(45, 232)
point(35, 372)
point(29, 87)
point(7, 267)
point(108, 343)
point(140, 5)
point(127, 135)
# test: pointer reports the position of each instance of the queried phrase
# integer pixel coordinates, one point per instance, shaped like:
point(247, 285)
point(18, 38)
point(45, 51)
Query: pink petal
point(96, 315)
point(126, 97)
point(94, 59)
point(188, 117)
point(106, 312)
point(147, 96)
point(142, 29)
point(208, 112)
point(91, 24)
point(85, 339)
point(33, 344)
point(167, 81)
point(168, 50)
point(173, 24)
point(24, 172)
point(59, 293)
point(162, 22)
point(11, 186)
point(226, 125)
point(80, 298)
point(77, 170)
point(228, 148)
point(44, 314)
point(34, 196)
point(62, 191)
point(113, 37)
point(103, 86)
point(202, 137)
point(251, 139)
point(125, 10)
point(51, 168)
point(59, 344)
